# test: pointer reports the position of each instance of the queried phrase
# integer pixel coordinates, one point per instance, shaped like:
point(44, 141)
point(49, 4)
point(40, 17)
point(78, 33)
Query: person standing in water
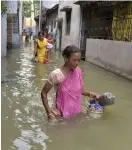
point(68, 83)
point(31, 33)
point(40, 48)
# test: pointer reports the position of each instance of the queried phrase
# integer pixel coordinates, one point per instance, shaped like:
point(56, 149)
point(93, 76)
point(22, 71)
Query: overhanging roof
point(80, 2)
point(51, 10)
point(66, 8)
point(100, 3)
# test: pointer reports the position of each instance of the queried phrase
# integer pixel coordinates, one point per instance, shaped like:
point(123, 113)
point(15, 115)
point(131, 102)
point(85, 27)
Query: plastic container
point(96, 106)
point(105, 99)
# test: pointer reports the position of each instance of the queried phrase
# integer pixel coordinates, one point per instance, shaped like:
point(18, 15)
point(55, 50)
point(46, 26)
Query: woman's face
point(41, 36)
point(74, 60)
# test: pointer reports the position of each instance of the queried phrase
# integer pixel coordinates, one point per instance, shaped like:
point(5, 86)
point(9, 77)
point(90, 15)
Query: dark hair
point(69, 50)
point(40, 32)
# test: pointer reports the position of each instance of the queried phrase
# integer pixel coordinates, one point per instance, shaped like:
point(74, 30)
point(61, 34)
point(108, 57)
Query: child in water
point(49, 47)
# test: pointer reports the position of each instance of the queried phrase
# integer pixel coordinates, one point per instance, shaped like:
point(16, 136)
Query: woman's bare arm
point(89, 94)
point(85, 93)
point(35, 49)
point(47, 87)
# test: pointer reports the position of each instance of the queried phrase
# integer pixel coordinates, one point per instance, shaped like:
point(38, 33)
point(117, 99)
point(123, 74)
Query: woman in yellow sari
point(40, 48)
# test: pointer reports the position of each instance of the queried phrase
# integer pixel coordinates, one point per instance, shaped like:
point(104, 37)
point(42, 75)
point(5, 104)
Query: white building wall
point(3, 35)
point(74, 37)
point(20, 18)
point(115, 56)
point(12, 6)
point(52, 18)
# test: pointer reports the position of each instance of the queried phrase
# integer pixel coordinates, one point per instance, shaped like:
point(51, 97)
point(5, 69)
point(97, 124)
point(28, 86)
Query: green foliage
point(3, 7)
point(27, 8)
point(36, 5)
point(9, 17)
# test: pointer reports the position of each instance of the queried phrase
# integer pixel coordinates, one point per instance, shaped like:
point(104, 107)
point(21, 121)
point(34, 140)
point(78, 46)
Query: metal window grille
point(106, 20)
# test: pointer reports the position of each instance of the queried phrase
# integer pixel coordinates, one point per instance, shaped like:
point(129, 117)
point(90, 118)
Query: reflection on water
point(24, 123)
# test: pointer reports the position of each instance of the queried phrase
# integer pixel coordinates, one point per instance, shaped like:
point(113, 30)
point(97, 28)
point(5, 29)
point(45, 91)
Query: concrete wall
point(12, 9)
point(50, 18)
point(9, 32)
point(3, 35)
point(8, 38)
point(27, 22)
point(20, 18)
point(15, 37)
point(74, 36)
point(115, 56)
point(37, 28)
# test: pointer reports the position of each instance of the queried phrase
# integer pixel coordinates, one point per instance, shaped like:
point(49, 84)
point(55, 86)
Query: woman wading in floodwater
point(40, 48)
point(68, 83)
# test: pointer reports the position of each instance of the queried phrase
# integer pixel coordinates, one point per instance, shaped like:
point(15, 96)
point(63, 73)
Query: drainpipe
point(40, 16)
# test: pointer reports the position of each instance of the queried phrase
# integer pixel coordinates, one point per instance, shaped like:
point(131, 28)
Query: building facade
point(102, 31)
point(3, 35)
point(69, 13)
point(51, 16)
point(14, 23)
point(11, 26)
point(29, 23)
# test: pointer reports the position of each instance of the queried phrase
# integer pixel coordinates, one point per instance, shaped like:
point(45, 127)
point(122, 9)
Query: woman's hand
point(51, 117)
point(90, 94)
point(94, 95)
point(33, 59)
point(56, 112)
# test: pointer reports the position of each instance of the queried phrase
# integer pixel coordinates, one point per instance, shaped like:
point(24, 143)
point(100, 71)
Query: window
point(68, 22)
point(105, 20)
point(100, 23)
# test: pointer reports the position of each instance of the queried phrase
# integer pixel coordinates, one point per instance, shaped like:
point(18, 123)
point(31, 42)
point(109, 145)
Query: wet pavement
point(24, 122)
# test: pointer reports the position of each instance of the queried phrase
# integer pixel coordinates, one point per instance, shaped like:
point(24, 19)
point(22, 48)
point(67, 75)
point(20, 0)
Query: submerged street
point(24, 122)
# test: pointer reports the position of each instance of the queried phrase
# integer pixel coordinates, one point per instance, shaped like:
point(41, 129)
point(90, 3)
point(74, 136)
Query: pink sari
point(69, 95)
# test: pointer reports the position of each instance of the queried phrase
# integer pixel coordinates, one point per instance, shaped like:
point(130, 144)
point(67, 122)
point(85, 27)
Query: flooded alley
point(24, 122)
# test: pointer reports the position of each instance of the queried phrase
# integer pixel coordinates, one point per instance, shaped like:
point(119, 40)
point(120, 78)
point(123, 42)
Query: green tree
point(3, 7)
point(27, 8)
point(36, 5)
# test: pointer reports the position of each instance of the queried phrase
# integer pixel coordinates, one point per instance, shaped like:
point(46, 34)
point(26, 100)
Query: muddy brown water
point(24, 123)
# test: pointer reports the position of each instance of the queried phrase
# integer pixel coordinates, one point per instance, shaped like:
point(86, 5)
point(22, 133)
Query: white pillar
point(40, 17)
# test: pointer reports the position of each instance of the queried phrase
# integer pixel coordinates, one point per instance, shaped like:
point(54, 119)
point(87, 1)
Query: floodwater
point(24, 123)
